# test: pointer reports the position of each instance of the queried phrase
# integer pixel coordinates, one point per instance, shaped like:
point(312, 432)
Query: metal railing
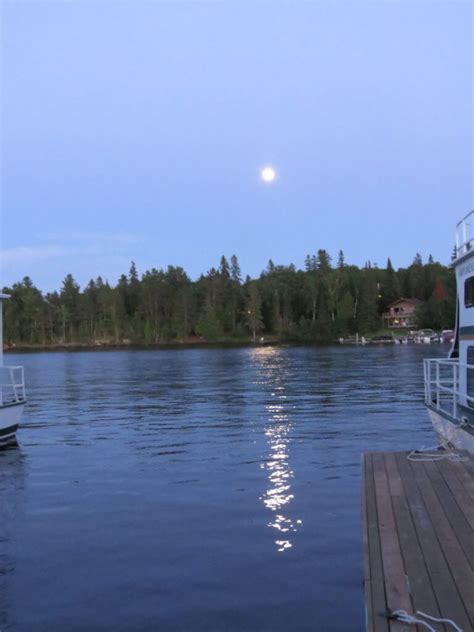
point(12, 385)
point(442, 385)
point(465, 235)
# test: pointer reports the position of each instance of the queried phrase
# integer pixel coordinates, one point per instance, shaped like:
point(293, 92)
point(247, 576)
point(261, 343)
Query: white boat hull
point(10, 416)
point(451, 433)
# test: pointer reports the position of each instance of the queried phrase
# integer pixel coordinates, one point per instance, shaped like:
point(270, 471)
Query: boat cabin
point(463, 346)
point(449, 383)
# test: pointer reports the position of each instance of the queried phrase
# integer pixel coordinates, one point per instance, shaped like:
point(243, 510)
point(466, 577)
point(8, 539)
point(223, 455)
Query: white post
point(455, 389)
point(438, 394)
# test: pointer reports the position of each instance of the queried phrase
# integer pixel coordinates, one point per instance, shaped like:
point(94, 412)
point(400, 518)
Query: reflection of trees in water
point(12, 475)
point(279, 494)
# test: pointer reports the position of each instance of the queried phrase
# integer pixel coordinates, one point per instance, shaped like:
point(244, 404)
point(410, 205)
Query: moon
point(268, 174)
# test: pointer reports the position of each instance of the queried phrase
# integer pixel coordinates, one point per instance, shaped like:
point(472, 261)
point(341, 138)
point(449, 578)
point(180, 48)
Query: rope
point(404, 617)
point(431, 618)
point(435, 453)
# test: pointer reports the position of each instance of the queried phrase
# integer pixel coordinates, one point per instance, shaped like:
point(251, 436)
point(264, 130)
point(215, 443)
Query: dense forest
point(320, 303)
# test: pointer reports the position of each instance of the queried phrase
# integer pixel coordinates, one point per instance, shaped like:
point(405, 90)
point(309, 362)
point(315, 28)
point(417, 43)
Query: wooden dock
point(418, 540)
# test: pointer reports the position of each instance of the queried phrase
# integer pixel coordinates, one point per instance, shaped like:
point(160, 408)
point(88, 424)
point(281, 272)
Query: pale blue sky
point(136, 131)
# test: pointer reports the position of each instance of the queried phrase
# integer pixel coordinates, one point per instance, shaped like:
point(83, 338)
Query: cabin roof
point(4, 296)
point(411, 301)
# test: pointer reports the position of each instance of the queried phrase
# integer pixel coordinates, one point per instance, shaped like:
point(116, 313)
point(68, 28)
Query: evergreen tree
point(341, 261)
point(70, 297)
point(236, 291)
point(132, 295)
point(209, 326)
point(311, 292)
point(224, 269)
point(323, 261)
point(417, 279)
point(254, 310)
point(235, 273)
point(390, 287)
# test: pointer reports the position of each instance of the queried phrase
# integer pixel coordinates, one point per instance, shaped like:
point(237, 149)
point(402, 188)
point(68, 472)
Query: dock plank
point(375, 589)
point(418, 539)
point(444, 555)
point(396, 582)
point(453, 478)
point(422, 593)
point(467, 481)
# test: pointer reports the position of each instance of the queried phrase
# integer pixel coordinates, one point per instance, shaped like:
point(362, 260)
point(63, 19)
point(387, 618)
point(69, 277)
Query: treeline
point(319, 303)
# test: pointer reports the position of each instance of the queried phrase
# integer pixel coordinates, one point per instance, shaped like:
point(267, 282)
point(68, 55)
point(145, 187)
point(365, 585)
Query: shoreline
point(189, 343)
point(124, 346)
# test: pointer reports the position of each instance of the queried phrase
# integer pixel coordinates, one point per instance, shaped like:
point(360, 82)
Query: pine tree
point(417, 278)
point(132, 291)
point(236, 291)
point(209, 326)
point(91, 310)
point(341, 261)
point(224, 269)
point(254, 310)
point(390, 287)
point(235, 273)
point(311, 291)
point(70, 298)
point(323, 261)
point(332, 284)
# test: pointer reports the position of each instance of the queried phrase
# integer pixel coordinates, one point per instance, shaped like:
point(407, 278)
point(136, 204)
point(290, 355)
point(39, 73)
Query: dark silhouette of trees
point(318, 303)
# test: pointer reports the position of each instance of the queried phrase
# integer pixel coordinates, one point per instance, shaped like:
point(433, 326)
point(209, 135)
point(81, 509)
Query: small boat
point(353, 340)
point(401, 340)
point(382, 340)
point(12, 391)
point(449, 382)
point(447, 335)
point(425, 336)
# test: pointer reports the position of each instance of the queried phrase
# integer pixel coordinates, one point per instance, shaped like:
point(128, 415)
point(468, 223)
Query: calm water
point(198, 490)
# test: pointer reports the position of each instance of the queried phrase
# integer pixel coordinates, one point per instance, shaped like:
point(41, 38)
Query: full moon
point(268, 174)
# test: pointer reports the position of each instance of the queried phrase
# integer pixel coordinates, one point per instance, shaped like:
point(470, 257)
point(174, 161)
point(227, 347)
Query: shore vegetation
point(319, 303)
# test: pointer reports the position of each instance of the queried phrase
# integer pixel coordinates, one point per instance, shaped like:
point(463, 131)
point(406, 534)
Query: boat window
point(469, 292)
point(470, 375)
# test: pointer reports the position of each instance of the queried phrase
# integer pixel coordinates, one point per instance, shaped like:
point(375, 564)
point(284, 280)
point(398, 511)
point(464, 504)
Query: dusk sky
point(137, 130)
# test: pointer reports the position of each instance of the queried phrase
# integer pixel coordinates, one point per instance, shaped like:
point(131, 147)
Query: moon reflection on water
point(279, 495)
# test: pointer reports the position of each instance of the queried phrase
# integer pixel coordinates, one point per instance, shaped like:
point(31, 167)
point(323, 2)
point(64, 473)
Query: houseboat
point(12, 391)
point(449, 382)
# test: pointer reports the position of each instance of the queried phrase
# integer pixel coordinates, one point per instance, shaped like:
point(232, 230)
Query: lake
point(199, 489)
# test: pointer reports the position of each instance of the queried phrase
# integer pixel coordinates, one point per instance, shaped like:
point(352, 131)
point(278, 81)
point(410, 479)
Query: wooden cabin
point(401, 313)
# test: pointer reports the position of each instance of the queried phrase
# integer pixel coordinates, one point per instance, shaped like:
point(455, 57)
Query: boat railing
point(442, 384)
point(12, 385)
point(465, 235)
